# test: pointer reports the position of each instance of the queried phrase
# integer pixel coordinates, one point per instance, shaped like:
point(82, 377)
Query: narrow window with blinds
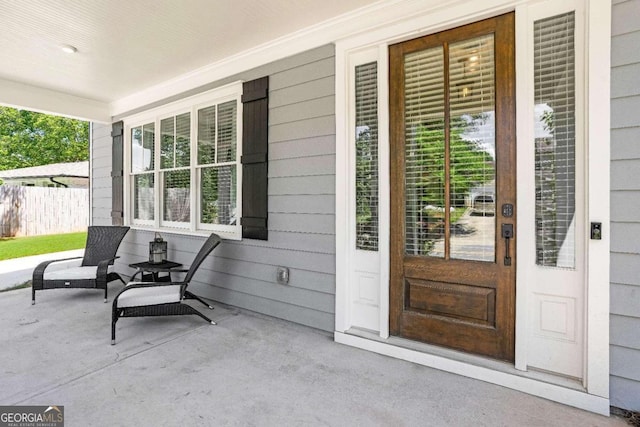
point(366, 141)
point(450, 146)
point(175, 142)
point(555, 144)
point(217, 146)
point(142, 170)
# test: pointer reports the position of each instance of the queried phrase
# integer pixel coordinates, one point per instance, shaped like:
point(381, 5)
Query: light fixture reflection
point(67, 48)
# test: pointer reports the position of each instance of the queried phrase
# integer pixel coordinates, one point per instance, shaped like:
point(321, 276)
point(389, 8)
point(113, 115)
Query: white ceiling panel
point(125, 46)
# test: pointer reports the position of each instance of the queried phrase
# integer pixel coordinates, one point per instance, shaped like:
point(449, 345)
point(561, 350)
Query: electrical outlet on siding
point(282, 275)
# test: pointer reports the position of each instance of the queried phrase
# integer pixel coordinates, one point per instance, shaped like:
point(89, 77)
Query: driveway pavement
point(249, 370)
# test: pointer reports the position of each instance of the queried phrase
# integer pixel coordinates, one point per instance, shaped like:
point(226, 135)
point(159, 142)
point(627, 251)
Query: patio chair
point(93, 271)
point(140, 299)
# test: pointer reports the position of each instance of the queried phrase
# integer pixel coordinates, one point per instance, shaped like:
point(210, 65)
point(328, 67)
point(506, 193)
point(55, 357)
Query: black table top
point(147, 266)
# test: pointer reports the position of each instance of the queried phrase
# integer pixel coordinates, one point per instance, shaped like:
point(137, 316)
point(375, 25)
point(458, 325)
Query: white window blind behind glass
point(175, 141)
point(555, 144)
point(217, 142)
point(424, 152)
point(142, 165)
point(366, 140)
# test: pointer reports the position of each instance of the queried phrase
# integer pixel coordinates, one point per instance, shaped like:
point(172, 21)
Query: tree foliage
point(33, 139)
point(366, 187)
point(469, 164)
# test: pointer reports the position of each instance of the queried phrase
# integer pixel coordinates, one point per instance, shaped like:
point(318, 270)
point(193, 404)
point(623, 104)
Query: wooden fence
point(33, 211)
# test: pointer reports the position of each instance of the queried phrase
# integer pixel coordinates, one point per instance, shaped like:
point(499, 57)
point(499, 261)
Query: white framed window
point(182, 165)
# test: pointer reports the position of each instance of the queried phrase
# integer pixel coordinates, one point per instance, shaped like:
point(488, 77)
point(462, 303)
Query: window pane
point(424, 152)
point(142, 144)
point(227, 132)
point(218, 195)
point(207, 135)
point(167, 140)
point(183, 140)
point(472, 148)
point(137, 151)
point(366, 87)
point(143, 196)
point(148, 142)
point(555, 144)
point(177, 195)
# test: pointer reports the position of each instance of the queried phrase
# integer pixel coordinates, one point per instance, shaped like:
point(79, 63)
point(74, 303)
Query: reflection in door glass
point(366, 147)
point(472, 149)
point(464, 188)
point(555, 140)
point(424, 152)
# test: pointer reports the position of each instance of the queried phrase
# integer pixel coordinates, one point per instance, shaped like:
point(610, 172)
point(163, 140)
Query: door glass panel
point(424, 152)
point(555, 145)
point(472, 148)
point(469, 177)
point(366, 141)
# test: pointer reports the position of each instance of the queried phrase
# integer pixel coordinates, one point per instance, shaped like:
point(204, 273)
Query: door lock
point(507, 234)
point(507, 210)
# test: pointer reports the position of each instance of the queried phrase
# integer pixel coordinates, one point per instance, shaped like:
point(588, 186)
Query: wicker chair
point(93, 271)
point(140, 299)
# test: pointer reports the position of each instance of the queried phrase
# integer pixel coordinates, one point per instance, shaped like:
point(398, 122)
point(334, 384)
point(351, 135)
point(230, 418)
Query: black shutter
point(255, 130)
point(117, 152)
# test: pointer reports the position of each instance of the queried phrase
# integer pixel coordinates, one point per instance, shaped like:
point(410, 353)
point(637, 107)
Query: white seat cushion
point(161, 294)
point(74, 273)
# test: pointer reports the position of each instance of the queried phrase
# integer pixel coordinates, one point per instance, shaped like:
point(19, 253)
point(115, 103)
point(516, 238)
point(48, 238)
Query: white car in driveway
point(484, 205)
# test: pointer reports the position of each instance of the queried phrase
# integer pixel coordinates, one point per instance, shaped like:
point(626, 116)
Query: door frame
point(371, 330)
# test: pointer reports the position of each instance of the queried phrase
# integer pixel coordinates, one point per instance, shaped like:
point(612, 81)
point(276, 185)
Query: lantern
point(157, 250)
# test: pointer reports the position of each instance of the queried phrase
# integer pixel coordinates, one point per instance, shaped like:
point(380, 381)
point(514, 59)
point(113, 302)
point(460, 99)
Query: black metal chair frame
point(167, 309)
point(100, 250)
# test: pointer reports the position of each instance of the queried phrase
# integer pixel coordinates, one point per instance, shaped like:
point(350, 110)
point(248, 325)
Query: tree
point(33, 139)
point(367, 187)
point(469, 166)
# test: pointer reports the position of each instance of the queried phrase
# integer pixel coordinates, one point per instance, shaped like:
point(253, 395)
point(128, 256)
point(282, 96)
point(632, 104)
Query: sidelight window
point(555, 140)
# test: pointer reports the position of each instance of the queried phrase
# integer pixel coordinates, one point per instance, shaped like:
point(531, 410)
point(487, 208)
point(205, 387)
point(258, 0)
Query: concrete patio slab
point(248, 370)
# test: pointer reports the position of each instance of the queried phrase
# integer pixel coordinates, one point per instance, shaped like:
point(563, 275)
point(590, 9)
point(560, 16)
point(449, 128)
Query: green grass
point(18, 247)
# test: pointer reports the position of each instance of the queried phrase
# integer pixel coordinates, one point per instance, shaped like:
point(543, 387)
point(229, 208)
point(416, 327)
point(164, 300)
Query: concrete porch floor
point(249, 370)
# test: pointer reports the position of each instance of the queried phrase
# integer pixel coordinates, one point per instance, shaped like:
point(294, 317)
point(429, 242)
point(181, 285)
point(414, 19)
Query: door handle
point(507, 234)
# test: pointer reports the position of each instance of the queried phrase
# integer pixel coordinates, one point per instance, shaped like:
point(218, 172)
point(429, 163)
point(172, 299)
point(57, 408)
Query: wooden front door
point(453, 190)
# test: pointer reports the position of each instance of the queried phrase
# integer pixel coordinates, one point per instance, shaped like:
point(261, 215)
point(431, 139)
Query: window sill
point(225, 235)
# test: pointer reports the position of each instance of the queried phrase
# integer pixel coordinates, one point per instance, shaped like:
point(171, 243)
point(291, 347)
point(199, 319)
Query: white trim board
point(20, 95)
point(534, 387)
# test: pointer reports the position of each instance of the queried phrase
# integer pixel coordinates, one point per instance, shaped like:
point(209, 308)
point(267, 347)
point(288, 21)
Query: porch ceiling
point(126, 46)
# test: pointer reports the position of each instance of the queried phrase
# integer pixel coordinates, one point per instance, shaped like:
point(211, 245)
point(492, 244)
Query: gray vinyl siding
point(301, 202)
point(625, 205)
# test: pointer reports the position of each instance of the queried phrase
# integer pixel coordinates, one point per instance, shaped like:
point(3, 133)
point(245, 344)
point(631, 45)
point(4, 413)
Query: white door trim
point(598, 35)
